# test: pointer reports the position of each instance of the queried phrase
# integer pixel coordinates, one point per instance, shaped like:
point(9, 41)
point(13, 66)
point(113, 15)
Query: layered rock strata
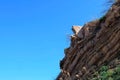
point(97, 43)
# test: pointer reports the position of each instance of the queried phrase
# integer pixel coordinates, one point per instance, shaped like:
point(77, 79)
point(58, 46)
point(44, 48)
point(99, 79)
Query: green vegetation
point(107, 74)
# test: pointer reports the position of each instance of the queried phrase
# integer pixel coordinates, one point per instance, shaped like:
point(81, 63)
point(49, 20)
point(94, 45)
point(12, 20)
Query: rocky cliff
point(95, 44)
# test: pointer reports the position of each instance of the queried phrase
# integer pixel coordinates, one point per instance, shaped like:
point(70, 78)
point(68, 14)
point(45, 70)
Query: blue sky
point(34, 33)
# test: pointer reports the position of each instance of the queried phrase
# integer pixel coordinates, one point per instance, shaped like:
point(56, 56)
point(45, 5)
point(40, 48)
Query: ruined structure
point(96, 44)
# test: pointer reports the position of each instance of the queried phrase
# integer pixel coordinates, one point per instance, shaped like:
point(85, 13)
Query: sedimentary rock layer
point(97, 43)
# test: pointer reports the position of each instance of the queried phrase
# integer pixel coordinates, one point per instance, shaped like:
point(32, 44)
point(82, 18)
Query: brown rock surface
point(96, 44)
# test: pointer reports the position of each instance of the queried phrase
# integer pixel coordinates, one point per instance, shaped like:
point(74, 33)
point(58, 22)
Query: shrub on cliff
point(107, 74)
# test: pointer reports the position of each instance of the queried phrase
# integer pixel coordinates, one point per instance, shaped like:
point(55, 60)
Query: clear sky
point(34, 33)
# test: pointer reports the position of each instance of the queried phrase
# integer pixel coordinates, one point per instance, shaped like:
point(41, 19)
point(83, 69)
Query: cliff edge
point(95, 44)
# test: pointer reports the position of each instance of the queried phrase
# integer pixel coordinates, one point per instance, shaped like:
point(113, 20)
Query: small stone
point(77, 75)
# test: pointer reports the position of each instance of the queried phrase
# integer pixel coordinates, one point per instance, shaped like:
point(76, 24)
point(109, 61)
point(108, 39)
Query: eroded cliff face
point(95, 44)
